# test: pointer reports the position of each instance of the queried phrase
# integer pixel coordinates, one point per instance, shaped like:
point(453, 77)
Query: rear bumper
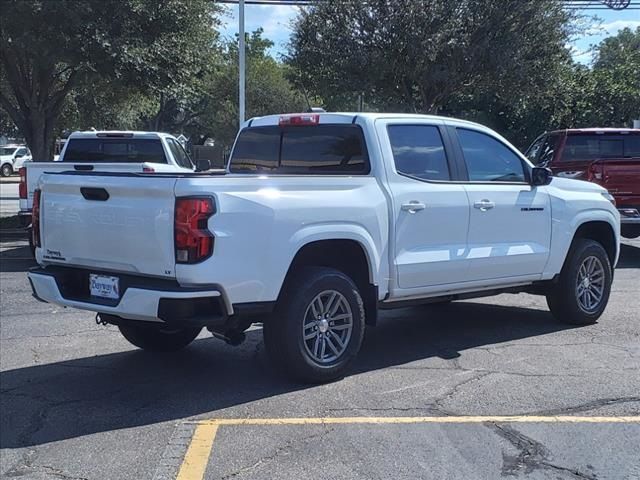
point(142, 299)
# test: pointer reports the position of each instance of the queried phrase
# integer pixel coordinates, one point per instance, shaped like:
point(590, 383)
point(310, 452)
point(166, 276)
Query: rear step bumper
point(142, 299)
point(629, 215)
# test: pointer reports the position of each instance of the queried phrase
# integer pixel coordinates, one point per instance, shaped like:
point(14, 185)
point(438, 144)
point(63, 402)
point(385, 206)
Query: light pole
point(241, 62)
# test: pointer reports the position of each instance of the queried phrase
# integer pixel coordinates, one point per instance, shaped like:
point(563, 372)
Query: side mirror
point(541, 176)
point(202, 165)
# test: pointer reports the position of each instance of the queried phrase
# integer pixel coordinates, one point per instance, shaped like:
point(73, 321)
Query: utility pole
point(241, 63)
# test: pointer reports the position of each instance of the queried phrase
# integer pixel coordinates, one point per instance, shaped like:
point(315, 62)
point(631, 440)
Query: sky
point(276, 19)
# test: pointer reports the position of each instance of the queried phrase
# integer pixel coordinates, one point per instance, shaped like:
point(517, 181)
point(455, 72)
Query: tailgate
point(36, 169)
point(114, 222)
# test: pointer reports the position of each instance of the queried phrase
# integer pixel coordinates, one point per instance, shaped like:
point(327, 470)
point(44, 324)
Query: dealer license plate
point(104, 286)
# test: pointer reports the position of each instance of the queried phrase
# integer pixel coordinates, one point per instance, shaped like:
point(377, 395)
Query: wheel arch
point(347, 254)
point(602, 232)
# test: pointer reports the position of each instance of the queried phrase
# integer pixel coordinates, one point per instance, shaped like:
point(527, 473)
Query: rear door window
point(315, 150)
point(114, 150)
point(592, 147)
point(418, 151)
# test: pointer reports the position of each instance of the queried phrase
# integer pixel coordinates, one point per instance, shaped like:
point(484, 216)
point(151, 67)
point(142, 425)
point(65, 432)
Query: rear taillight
point(22, 188)
point(35, 218)
point(193, 240)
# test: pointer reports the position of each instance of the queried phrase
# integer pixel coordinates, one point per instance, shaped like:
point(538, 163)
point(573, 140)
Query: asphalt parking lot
point(480, 389)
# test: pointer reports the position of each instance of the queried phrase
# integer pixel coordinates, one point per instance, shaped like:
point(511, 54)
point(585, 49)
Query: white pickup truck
point(107, 151)
point(320, 221)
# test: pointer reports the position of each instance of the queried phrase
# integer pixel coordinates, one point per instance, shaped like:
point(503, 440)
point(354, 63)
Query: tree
point(415, 55)
point(615, 80)
point(47, 48)
point(268, 90)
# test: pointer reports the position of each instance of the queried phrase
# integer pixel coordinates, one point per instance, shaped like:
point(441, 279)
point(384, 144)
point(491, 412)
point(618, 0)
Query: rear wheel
point(6, 170)
point(317, 328)
point(159, 338)
point(584, 285)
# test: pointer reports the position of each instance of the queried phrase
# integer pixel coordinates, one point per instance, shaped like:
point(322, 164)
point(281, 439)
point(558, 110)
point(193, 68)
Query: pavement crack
point(277, 452)
point(28, 468)
point(423, 410)
point(452, 391)
point(587, 406)
point(531, 455)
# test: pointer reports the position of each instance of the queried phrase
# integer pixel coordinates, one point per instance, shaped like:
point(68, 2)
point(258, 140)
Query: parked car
point(109, 151)
point(320, 221)
point(12, 158)
point(607, 156)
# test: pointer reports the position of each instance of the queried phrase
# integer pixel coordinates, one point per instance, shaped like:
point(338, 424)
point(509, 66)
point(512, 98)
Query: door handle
point(484, 205)
point(413, 206)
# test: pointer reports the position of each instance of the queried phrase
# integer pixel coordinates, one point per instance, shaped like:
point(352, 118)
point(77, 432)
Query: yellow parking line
point(400, 420)
point(197, 456)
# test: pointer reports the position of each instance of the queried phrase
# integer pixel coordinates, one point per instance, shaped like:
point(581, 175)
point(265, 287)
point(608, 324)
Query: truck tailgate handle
point(83, 167)
point(97, 194)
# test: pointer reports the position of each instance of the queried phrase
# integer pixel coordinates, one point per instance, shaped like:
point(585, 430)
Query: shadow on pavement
point(629, 256)
point(18, 259)
point(68, 399)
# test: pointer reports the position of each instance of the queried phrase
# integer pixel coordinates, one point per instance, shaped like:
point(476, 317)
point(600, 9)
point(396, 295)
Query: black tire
point(563, 298)
point(283, 331)
point(6, 170)
point(32, 246)
point(630, 231)
point(159, 338)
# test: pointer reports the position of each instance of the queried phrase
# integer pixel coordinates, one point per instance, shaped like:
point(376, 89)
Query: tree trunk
point(35, 103)
point(38, 133)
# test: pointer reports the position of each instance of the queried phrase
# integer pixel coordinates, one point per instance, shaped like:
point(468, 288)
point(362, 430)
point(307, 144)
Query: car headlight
point(609, 197)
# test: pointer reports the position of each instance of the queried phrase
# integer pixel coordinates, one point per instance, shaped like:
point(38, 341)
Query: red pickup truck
point(609, 157)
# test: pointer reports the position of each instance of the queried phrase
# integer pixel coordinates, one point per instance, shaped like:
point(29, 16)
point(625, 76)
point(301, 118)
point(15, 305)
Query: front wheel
point(6, 170)
point(159, 338)
point(584, 285)
point(317, 328)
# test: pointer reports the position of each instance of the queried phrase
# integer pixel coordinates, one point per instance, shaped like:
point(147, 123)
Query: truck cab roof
point(117, 134)
point(350, 117)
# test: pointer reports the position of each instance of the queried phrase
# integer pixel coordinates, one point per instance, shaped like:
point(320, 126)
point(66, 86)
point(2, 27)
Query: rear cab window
point(325, 149)
point(591, 147)
point(114, 150)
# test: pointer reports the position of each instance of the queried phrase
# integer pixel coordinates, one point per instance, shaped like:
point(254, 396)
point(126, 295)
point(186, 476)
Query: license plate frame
point(104, 286)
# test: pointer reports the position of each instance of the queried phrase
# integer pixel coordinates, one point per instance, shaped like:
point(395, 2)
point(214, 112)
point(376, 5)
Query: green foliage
point(47, 48)
point(415, 55)
point(267, 91)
